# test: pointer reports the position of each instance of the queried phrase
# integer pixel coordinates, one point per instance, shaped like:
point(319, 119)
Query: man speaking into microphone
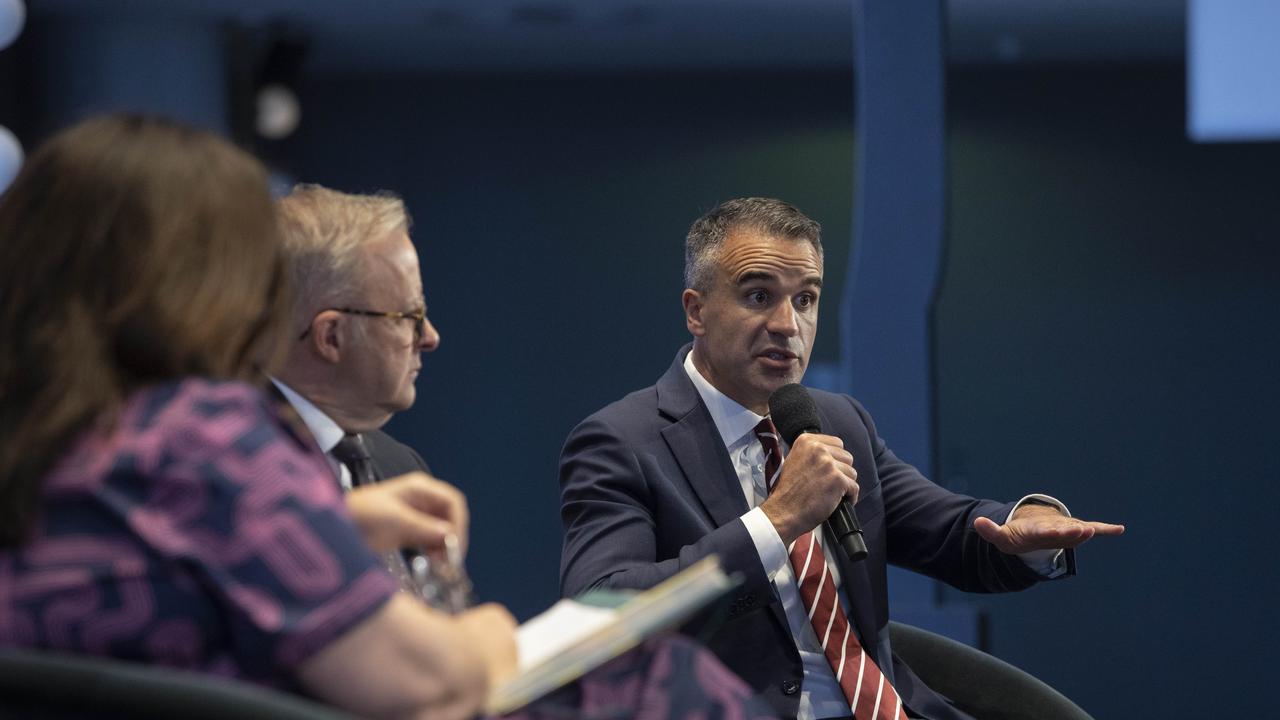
point(695, 465)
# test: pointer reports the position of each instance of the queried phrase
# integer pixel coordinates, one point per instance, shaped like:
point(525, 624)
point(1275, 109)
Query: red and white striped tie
point(870, 695)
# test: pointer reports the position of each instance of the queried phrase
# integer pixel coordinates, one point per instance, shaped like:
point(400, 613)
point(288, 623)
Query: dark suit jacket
point(392, 457)
point(647, 488)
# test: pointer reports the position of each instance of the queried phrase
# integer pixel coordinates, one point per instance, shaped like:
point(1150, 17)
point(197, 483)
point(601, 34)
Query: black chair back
point(40, 684)
point(983, 686)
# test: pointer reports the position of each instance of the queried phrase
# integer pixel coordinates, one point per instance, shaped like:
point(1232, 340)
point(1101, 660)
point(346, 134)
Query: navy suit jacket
point(392, 457)
point(647, 488)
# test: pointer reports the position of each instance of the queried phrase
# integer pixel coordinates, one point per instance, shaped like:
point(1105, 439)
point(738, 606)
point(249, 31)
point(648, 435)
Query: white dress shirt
point(820, 694)
point(325, 431)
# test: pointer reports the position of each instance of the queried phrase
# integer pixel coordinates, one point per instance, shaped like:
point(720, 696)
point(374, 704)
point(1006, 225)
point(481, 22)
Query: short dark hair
point(133, 250)
point(775, 218)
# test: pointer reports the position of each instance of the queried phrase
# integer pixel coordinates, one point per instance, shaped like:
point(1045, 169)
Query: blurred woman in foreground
point(153, 506)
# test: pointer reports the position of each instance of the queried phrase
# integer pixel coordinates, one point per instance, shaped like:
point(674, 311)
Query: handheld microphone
point(793, 413)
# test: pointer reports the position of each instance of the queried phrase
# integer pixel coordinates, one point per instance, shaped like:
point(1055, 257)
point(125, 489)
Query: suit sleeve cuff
point(1048, 563)
point(773, 554)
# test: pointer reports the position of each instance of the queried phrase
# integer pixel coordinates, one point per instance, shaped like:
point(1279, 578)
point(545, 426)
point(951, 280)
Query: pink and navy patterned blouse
point(200, 533)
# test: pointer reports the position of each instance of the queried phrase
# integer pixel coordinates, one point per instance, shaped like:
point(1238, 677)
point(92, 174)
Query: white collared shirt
point(325, 431)
point(820, 694)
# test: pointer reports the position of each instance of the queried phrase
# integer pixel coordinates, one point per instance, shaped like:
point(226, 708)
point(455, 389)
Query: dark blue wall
point(1108, 330)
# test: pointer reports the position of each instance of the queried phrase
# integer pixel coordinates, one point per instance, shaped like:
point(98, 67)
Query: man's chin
point(764, 389)
point(771, 381)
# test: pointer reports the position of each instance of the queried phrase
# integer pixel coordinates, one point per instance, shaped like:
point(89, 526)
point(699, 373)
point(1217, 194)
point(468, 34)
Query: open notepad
point(575, 636)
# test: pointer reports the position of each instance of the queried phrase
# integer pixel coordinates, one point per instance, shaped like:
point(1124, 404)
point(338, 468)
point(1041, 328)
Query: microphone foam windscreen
point(793, 412)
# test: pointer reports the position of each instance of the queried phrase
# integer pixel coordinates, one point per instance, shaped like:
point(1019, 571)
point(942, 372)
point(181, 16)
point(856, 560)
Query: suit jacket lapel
point(378, 475)
point(697, 447)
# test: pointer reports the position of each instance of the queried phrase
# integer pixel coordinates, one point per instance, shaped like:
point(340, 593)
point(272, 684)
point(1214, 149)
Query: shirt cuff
point(773, 554)
point(1048, 563)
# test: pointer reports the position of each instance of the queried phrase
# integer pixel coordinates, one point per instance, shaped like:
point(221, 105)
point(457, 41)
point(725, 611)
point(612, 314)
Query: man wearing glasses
point(359, 305)
point(363, 328)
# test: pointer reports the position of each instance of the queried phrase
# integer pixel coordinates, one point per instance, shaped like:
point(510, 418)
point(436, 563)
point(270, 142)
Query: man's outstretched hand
point(1040, 527)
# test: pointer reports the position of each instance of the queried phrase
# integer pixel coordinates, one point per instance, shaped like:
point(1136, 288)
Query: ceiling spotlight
point(13, 13)
point(10, 157)
point(278, 111)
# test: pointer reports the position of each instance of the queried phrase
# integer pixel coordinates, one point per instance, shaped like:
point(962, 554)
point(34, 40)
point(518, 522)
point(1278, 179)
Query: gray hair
point(774, 218)
point(323, 232)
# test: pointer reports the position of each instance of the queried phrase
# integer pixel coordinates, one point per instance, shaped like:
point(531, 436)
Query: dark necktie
point(352, 452)
point(870, 695)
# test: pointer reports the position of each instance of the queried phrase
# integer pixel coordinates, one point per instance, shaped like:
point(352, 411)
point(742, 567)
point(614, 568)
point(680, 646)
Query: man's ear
point(326, 338)
point(693, 304)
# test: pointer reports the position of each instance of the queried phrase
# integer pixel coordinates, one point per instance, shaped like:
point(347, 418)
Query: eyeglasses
point(419, 318)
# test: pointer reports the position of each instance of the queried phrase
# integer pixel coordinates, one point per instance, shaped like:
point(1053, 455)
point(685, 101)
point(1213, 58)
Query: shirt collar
point(732, 420)
point(322, 427)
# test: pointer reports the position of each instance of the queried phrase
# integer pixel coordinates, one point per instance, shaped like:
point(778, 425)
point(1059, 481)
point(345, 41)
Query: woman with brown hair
point(153, 505)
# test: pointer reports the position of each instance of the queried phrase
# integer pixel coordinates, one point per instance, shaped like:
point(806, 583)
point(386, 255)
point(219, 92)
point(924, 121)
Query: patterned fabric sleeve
point(250, 512)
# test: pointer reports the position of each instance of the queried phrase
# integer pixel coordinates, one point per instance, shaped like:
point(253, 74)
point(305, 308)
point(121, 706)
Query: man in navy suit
point(675, 472)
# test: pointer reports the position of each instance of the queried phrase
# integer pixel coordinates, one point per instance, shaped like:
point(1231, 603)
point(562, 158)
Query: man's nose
point(783, 320)
point(429, 339)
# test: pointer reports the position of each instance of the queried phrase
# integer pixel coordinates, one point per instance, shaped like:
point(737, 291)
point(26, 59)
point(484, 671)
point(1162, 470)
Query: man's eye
point(806, 301)
point(759, 297)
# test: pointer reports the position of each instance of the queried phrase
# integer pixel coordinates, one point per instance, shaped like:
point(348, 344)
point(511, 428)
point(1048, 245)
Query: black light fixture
point(277, 110)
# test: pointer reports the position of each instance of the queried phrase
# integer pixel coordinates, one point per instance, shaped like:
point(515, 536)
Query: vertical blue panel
point(899, 215)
